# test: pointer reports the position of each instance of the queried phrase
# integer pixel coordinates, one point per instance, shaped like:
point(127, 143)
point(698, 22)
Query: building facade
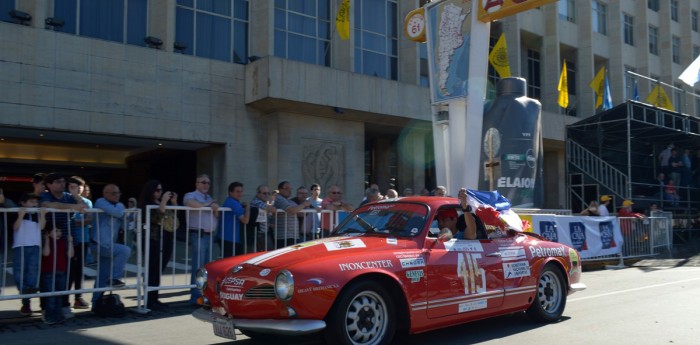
point(263, 91)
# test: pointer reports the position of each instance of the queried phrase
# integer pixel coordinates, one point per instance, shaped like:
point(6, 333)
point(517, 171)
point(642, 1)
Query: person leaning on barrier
point(56, 251)
point(233, 223)
point(201, 225)
point(591, 210)
point(603, 207)
point(287, 225)
point(80, 230)
point(161, 229)
point(260, 208)
point(111, 256)
point(26, 247)
point(56, 197)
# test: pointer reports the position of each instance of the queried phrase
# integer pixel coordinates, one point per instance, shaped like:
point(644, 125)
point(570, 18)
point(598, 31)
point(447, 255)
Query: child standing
point(54, 265)
point(26, 244)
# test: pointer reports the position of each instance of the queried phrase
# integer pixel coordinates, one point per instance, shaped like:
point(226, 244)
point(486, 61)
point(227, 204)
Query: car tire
point(362, 315)
point(550, 299)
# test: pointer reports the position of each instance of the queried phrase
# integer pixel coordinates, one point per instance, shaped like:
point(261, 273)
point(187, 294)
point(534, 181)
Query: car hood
point(325, 248)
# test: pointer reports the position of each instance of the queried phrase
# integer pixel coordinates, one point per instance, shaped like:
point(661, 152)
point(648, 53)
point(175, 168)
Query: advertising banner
point(591, 236)
point(448, 31)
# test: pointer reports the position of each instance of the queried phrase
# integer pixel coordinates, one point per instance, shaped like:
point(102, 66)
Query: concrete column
point(261, 22)
point(586, 62)
point(511, 27)
point(551, 61)
point(616, 64)
point(161, 22)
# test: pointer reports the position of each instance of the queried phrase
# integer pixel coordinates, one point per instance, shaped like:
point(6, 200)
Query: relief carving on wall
point(322, 163)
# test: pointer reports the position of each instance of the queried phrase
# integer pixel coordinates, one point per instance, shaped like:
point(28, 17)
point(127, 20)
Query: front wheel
point(362, 315)
point(551, 296)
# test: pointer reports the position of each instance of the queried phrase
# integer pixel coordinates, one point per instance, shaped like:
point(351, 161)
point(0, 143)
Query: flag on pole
point(607, 99)
point(342, 20)
point(499, 57)
point(598, 86)
point(659, 98)
point(691, 75)
point(563, 87)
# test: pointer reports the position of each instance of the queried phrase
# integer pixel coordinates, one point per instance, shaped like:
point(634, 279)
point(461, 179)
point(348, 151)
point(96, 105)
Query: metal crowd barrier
point(642, 238)
point(77, 220)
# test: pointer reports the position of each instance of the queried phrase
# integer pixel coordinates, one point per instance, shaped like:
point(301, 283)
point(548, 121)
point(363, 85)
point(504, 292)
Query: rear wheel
point(363, 315)
point(551, 296)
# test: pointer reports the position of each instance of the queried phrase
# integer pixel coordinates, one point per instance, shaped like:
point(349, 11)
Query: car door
point(464, 277)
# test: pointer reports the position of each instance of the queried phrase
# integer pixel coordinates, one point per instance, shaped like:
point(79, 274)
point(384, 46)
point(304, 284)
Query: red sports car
point(386, 270)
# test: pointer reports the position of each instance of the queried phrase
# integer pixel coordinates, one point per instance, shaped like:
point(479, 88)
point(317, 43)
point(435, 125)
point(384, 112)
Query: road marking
point(630, 290)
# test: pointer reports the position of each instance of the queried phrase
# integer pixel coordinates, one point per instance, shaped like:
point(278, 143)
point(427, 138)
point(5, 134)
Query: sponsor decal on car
point(233, 281)
point(407, 255)
point(392, 241)
point(454, 245)
point(410, 263)
point(317, 288)
point(345, 244)
point(415, 275)
point(473, 276)
point(516, 269)
point(473, 305)
point(231, 296)
point(265, 272)
point(363, 265)
point(512, 253)
point(543, 252)
point(382, 207)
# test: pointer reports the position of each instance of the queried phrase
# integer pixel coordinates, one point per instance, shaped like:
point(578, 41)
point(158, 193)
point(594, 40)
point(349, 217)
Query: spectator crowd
point(52, 246)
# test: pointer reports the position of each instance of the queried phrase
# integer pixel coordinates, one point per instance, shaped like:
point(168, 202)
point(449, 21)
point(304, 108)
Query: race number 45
point(472, 275)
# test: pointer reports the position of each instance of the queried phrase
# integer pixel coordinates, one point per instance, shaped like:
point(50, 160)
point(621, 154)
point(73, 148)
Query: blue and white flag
point(691, 75)
point(607, 98)
point(636, 91)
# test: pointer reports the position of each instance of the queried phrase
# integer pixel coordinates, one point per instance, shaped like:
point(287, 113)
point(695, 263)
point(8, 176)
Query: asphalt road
point(655, 302)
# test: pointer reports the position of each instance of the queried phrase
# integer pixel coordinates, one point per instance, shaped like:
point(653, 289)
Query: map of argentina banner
point(448, 32)
point(591, 236)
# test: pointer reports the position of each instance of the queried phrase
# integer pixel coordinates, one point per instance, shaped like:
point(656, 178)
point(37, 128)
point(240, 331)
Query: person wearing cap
point(626, 225)
point(448, 218)
point(603, 207)
point(626, 210)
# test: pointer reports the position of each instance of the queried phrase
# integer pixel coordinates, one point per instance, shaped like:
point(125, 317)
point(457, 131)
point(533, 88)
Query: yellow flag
point(342, 20)
point(598, 85)
point(563, 88)
point(499, 57)
point(659, 98)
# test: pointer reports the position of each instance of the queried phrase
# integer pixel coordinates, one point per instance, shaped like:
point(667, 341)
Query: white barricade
point(80, 227)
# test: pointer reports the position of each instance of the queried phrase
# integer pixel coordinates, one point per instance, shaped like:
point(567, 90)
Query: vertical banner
point(512, 145)
point(590, 236)
point(448, 32)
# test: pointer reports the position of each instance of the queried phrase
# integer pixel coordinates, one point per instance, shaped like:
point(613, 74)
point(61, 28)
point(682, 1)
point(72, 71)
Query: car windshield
point(394, 219)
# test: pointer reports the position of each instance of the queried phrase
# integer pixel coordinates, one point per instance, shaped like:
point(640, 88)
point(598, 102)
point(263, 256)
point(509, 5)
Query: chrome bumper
point(578, 287)
point(267, 326)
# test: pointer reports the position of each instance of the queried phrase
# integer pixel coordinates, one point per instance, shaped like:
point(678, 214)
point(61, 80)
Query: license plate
point(225, 329)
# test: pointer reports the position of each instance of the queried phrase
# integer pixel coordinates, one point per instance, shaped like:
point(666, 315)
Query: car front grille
point(261, 292)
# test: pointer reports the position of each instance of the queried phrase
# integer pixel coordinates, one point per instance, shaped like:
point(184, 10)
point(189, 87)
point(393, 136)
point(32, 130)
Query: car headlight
point(284, 285)
point(200, 280)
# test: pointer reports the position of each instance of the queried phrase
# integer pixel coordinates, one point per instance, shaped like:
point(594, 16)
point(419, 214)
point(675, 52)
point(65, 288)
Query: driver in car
point(448, 218)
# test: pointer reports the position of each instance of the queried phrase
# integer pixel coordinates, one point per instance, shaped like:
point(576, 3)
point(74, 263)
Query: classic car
point(387, 270)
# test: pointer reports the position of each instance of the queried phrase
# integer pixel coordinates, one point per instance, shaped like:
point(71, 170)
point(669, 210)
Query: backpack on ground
point(109, 305)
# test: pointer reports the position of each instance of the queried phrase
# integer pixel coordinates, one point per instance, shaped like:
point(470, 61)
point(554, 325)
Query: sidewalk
point(12, 321)
point(685, 254)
